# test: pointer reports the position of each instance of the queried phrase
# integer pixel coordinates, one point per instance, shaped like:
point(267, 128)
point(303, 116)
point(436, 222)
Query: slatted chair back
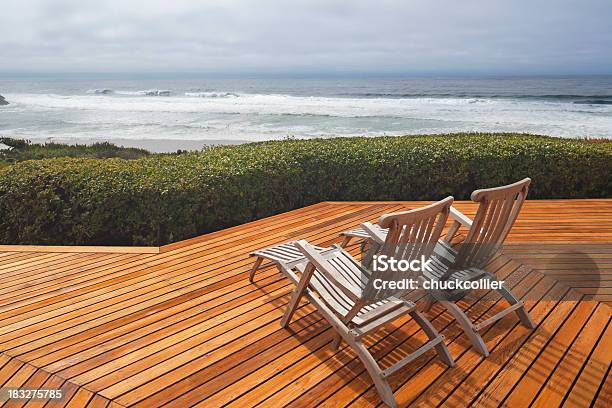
point(498, 210)
point(347, 286)
point(412, 235)
point(412, 232)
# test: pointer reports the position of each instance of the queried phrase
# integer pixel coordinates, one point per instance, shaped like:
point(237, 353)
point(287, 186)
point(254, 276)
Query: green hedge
point(26, 150)
point(165, 198)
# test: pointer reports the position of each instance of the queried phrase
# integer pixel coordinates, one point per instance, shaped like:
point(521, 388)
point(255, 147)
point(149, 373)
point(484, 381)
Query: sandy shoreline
point(152, 145)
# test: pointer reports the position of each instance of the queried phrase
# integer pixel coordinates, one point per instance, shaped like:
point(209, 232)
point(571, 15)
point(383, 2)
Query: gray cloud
point(417, 36)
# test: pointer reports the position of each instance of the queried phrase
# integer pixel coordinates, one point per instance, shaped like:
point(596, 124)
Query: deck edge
point(80, 249)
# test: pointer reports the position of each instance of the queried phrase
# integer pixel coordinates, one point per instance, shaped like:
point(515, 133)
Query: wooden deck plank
point(39, 260)
point(593, 373)
point(62, 249)
point(548, 314)
point(32, 304)
point(604, 396)
point(417, 382)
point(183, 263)
point(182, 326)
point(52, 382)
point(351, 373)
point(209, 244)
point(229, 370)
point(36, 381)
point(32, 328)
point(69, 264)
point(10, 257)
point(39, 291)
point(341, 362)
point(154, 265)
point(534, 363)
point(9, 369)
point(98, 401)
point(20, 376)
point(561, 378)
point(311, 209)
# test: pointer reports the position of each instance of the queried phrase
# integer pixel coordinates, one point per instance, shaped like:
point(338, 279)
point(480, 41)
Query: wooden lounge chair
point(287, 257)
point(497, 211)
point(344, 293)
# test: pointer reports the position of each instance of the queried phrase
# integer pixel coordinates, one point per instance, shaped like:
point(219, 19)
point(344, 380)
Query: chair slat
point(343, 291)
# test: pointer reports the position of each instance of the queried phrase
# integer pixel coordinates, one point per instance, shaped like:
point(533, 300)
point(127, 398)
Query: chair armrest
point(374, 233)
point(460, 217)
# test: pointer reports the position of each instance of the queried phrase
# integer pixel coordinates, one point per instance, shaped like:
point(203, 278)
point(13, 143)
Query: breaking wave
point(104, 91)
point(148, 92)
point(595, 102)
point(212, 94)
point(226, 115)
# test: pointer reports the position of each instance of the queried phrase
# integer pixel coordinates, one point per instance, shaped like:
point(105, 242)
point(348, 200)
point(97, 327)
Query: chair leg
point(381, 384)
point(368, 257)
point(429, 304)
point(467, 327)
point(336, 342)
point(450, 234)
point(432, 334)
point(256, 266)
point(298, 292)
point(291, 307)
point(521, 312)
point(345, 241)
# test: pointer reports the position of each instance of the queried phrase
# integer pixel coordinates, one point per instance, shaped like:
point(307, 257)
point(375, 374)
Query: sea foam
point(148, 92)
point(212, 94)
point(103, 91)
point(227, 115)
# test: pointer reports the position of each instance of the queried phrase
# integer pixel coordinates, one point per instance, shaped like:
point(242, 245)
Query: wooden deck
point(181, 326)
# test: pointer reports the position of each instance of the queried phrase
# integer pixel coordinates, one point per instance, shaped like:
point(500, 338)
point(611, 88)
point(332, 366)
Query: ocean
point(165, 112)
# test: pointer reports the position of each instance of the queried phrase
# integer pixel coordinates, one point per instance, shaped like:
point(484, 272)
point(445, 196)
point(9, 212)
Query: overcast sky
point(268, 36)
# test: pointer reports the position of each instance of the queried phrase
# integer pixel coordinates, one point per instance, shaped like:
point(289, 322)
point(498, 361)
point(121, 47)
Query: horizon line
point(301, 74)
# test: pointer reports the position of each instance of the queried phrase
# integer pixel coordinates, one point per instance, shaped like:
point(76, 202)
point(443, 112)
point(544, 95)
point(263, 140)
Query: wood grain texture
point(182, 326)
point(80, 249)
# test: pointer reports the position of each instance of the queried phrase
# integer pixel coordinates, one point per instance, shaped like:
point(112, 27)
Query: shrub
point(163, 198)
point(25, 150)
